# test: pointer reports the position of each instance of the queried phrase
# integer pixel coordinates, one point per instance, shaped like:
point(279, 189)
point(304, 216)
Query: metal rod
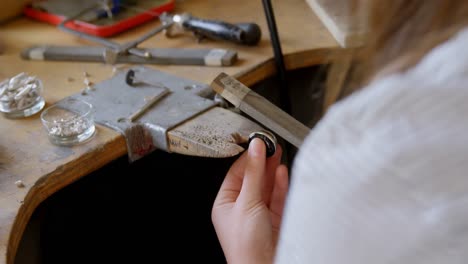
point(146, 36)
point(284, 94)
point(285, 101)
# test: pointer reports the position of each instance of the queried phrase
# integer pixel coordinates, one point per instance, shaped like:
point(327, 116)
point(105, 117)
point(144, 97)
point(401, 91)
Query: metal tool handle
point(241, 33)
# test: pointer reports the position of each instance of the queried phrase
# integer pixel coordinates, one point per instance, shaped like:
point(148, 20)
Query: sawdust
point(209, 136)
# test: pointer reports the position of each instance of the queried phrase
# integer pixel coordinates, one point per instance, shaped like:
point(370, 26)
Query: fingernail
point(255, 147)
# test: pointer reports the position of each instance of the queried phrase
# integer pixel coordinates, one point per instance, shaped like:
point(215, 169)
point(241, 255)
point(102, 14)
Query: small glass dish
point(21, 96)
point(69, 122)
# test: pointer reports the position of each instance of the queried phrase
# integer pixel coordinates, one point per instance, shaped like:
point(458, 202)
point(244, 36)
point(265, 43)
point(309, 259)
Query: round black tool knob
point(268, 138)
point(129, 78)
point(251, 33)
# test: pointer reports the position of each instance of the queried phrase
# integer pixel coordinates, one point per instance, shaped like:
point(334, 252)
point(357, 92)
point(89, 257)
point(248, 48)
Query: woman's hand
point(248, 208)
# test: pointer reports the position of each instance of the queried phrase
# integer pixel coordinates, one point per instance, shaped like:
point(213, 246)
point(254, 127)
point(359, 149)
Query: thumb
point(254, 174)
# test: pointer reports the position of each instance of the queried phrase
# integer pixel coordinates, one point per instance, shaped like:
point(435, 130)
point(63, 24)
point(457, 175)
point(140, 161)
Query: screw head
point(268, 138)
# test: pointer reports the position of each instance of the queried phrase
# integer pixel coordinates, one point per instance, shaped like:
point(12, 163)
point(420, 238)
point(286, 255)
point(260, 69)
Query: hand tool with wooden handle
point(260, 109)
point(160, 56)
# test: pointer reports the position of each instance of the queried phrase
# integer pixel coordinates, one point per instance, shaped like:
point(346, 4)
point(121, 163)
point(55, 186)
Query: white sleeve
point(383, 178)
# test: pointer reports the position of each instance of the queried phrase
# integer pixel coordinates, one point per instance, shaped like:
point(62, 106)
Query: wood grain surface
point(27, 155)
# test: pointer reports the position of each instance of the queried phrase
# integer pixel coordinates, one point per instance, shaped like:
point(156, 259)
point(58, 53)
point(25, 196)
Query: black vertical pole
point(285, 102)
point(275, 42)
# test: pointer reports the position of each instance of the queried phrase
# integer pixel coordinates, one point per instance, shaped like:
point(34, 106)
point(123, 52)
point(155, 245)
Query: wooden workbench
point(27, 155)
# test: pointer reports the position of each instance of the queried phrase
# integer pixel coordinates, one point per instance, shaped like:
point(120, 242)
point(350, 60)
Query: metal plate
point(114, 101)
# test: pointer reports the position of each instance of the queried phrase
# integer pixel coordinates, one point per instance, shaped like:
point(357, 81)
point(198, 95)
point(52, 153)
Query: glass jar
point(69, 122)
point(21, 96)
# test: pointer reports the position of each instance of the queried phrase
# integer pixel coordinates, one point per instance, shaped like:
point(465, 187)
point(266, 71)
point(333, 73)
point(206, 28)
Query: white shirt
point(383, 178)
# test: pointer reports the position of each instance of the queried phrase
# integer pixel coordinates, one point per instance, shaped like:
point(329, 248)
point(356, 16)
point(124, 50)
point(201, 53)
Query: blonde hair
point(401, 32)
